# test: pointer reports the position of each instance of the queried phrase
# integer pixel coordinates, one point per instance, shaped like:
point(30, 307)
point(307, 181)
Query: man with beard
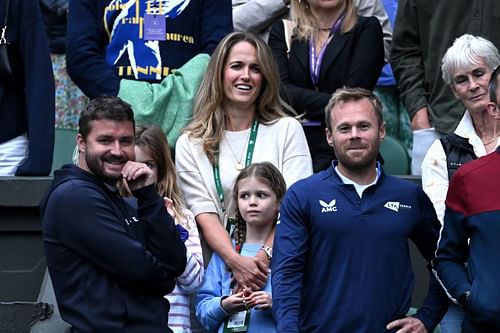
point(341, 261)
point(110, 264)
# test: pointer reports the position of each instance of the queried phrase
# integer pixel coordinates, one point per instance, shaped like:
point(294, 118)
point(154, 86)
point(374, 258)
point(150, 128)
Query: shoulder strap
point(288, 26)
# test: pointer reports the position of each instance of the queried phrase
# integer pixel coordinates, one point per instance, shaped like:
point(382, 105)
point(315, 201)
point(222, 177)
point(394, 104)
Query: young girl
point(258, 191)
point(151, 148)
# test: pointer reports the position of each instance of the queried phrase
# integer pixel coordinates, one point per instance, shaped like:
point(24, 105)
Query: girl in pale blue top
point(221, 305)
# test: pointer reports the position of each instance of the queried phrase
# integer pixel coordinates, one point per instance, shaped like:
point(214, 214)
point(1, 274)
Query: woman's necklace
point(239, 165)
point(491, 141)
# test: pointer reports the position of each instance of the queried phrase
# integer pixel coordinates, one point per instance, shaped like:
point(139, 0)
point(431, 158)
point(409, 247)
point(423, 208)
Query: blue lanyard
point(315, 62)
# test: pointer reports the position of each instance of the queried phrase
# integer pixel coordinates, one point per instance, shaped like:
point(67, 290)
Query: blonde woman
point(238, 120)
point(330, 47)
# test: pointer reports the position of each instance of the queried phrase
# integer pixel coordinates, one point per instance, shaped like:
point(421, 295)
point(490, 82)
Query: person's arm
point(376, 8)
point(407, 63)
point(435, 177)
point(209, 310)
point(216, 22)
point(106, 242)
point(39, 91)
point(288, 264)
point(364, 69)
point(192, 277)
point(86, 41)
point(256, 15)
point(297, 162)
point(425, 236)
point(161, 234)
point(453, 247)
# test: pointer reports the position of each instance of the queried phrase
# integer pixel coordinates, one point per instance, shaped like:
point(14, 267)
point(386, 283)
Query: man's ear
point(81, 143)
point(493, 110)
point(382, 132)
point(329, 137)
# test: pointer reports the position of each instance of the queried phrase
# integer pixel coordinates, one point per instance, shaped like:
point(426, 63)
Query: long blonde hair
point(306, 24)
point(209, 120)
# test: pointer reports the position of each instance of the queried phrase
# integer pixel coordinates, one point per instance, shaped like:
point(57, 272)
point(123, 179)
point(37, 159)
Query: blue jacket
point(471, 235)
point(217, 285)
point(110, 265)
point(341, 263)
point(105, 40)
point(27, 99)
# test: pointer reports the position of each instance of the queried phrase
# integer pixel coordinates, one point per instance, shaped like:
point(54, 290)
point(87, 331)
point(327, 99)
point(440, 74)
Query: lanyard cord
point(248, 161)
point(315, 62)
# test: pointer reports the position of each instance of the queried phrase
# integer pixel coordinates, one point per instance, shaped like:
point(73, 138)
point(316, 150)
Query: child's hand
point(235, 303)
point(169, 204)
point(260, 300)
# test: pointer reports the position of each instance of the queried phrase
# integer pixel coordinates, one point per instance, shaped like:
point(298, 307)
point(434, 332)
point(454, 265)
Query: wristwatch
point(268, 251)
point(463, 299)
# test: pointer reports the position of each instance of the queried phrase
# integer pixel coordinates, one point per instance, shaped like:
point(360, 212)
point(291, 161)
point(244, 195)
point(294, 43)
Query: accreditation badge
point(154, 27)
point(237, 322)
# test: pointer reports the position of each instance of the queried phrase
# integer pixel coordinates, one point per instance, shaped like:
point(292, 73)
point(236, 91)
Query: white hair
point(468, 50)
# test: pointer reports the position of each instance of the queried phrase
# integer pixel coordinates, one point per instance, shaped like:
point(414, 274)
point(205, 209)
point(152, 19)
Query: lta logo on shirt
point(396, 205)
point(328, 207)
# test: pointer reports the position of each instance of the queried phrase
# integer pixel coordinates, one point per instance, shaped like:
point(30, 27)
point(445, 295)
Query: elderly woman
point(467, 66)
point(327, 47)
point(238, 119)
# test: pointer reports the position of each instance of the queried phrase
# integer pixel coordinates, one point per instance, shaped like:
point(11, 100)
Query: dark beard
point(95, 165)
point(359, 166)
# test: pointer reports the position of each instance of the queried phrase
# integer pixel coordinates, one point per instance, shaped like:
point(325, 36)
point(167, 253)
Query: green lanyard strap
point(248, 161)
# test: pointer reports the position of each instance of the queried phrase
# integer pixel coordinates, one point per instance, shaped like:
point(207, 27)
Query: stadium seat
point(64, 145)
point(395, 155)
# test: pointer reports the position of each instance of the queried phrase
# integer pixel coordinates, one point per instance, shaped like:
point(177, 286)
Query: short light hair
point(468, 50)
point(344, 95)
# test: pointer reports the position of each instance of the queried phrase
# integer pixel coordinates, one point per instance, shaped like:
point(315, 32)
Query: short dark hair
point(104, 107)
point(493, 85)
point(343, 95)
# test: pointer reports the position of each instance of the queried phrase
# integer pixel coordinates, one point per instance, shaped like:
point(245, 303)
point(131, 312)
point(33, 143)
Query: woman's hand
point(249, 272)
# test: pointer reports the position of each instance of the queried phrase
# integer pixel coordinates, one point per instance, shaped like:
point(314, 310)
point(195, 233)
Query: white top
point(282, 143)
point(360, 188)
point(189, 281)
point(434, 167)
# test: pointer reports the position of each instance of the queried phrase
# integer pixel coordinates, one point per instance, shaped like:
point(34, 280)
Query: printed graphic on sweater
point(128, 51)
